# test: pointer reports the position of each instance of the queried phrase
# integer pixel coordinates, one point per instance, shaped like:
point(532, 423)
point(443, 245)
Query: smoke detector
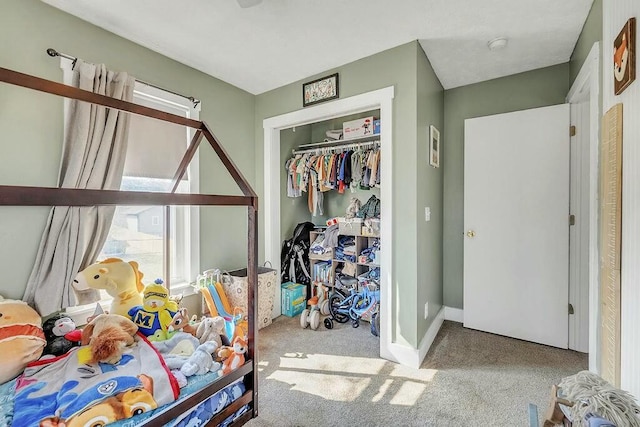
point(497, 43)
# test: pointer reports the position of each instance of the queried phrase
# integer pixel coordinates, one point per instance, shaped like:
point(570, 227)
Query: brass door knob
point(471, 233)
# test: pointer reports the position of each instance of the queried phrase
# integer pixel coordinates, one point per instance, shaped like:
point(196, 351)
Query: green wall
point(31, 129)
point(395, 67)
point(537, 88)
point(591, 33)
point(429, 193)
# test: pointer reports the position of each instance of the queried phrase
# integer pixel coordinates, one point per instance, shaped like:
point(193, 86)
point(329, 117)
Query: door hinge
point(571, 310)
point(572, 220)
point(572, 130)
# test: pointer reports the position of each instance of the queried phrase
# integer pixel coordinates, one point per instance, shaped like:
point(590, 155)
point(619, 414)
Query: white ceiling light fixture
point(497, 43)
point(248, 3)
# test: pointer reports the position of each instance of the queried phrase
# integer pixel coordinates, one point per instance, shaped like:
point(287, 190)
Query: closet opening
point(331, 216)
point(292, 132)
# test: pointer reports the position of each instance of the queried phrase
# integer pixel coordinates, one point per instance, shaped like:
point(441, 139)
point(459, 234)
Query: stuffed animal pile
point(188, 346)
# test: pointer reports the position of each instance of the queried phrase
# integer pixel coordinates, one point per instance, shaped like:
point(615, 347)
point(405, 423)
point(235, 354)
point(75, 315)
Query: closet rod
point(337, 147)
point(53, 53)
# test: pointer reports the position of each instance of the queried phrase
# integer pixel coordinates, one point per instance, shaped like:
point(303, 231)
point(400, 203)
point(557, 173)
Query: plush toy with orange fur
point(236, 359)
point(106, 336)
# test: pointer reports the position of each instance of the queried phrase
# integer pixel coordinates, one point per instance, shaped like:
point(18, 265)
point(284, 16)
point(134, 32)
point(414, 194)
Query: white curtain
point(93, 158)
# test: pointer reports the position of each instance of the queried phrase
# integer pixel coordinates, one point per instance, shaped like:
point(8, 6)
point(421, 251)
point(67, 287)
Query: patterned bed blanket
point(65, 391)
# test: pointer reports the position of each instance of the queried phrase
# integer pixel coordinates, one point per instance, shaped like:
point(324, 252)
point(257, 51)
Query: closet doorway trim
point(381, 99)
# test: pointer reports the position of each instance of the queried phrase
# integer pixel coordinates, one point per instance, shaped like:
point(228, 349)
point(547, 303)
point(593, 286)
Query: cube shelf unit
point(362, 242)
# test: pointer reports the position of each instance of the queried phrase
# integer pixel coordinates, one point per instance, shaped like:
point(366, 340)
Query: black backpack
point(294, 256)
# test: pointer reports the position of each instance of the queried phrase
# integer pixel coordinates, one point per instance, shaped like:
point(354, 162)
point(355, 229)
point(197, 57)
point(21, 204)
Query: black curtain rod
point(53, 53)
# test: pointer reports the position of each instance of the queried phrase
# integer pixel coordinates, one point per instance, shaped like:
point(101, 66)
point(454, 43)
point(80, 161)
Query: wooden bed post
point(252, 272)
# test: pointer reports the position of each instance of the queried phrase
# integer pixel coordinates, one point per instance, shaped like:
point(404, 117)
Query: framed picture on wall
point(624, 57)
point(320, 90)
point(434, 146)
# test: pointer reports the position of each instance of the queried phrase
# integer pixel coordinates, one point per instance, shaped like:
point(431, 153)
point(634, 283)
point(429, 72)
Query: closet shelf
point(337, 143)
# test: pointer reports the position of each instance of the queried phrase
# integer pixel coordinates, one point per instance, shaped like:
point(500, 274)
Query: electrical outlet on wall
point(426, 309)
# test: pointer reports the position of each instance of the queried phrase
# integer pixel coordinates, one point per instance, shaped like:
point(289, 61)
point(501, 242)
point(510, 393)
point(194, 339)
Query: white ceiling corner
point(278, 42)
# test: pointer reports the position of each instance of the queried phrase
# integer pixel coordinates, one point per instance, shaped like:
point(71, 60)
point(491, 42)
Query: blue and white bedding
point(197, 416)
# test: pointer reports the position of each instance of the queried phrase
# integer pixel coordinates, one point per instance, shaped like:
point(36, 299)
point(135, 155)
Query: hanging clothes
point(339, 169)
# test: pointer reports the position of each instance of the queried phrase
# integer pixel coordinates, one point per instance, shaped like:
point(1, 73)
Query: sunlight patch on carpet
point(382, 390)
point(330, 387)
point(333, 363)
point(425, 375)
point(408, 394)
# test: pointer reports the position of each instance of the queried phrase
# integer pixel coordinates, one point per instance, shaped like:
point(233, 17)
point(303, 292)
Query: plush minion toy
point(156, 311)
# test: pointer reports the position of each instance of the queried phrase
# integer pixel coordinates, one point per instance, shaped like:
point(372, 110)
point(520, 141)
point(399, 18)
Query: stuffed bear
point(156, 310)
point(21, 337)
point(61, 334)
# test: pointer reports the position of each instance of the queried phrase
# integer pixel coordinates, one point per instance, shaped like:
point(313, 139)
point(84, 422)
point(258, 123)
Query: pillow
point(21, 337)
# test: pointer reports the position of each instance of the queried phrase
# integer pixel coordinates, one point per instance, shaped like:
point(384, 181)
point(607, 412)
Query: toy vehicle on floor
point(353, 306)
point(318, 304)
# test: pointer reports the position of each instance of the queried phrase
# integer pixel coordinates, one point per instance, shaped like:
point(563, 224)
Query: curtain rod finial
point(52, 52)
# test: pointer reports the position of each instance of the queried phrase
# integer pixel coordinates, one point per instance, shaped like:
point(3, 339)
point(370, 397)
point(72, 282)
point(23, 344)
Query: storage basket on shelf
point(236, 286)
point(350, 226)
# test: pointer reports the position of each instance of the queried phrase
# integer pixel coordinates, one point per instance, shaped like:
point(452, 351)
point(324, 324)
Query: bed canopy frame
point(50, 196)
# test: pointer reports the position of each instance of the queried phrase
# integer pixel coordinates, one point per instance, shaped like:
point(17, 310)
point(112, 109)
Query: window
point(143, 233)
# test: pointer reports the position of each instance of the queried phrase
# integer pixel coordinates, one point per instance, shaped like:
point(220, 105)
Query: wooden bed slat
point(172, 411)
point(55, 88)
point(242, 420)
point(186, 159)
point(48, 196)
point(233, 407)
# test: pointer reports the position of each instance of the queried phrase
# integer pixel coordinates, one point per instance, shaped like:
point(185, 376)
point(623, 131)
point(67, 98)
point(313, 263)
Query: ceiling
point(279, 42)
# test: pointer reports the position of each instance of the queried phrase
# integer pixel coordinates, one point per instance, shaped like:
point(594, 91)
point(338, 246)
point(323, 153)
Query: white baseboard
point(413, 357)
point(427, 340)
point(454, 314)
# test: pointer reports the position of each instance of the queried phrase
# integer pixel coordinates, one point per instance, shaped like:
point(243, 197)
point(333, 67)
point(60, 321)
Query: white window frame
point(189, 249)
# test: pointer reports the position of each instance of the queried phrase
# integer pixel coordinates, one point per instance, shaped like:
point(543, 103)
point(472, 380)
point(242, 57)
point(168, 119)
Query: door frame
point(381, 99)
point(587, 86)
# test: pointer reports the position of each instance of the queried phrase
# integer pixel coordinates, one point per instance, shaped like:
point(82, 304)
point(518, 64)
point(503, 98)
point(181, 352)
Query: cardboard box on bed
point(294, 298)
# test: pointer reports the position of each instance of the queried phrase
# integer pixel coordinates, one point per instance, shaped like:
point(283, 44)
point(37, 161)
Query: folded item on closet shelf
point(349, 269)
point(341, 256)
point(317, 247)
point(334, 134)
point(331, 236)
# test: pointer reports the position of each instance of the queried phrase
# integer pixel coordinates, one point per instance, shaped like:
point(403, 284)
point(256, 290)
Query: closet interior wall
point(292, 210)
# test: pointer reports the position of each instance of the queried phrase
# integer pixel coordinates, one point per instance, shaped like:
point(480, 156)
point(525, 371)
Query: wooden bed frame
point(48, 196)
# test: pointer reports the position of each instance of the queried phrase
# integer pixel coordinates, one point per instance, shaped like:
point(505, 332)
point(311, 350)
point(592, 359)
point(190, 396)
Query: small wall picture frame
point(320, 90)
point(434, 146)
point(624, 57)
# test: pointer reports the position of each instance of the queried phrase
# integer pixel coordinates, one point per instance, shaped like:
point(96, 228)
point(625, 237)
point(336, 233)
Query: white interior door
point(516, 218)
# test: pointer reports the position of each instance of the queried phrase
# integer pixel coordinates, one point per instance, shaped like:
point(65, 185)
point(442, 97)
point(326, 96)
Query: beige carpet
point(469, 378)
